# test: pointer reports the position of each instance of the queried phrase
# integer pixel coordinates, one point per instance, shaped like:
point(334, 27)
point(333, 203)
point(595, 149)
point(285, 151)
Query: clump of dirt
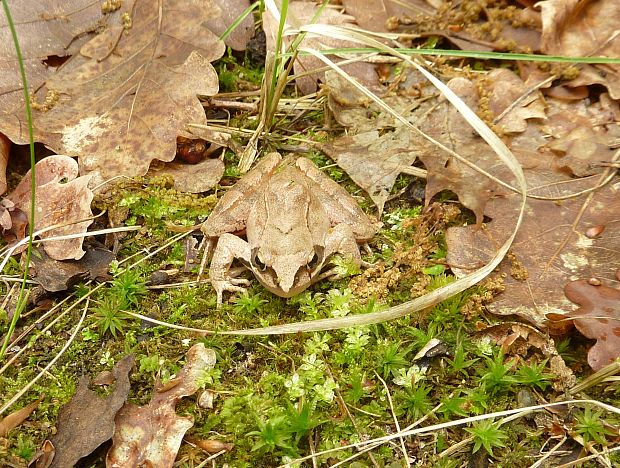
point(421, 238)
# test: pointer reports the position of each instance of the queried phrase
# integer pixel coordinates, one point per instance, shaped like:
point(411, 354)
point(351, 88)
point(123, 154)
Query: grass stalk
point(23, 296)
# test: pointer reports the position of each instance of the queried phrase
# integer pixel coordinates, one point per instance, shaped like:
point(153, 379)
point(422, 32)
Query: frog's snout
point(285, 274)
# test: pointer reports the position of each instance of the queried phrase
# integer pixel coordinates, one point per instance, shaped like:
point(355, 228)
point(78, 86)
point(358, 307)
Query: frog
point(294, 219)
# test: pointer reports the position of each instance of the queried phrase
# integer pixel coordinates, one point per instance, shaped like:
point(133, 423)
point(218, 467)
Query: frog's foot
point(228, 284)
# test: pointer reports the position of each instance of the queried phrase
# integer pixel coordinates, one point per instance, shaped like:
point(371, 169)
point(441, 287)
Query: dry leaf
point(231, 10)
point(54, 275)
point(356, 111)
point(505, 88)
point(602, 304)
point(583, 134)
point(548, 250)
point(582, 28)
point(192, 178)
point(373, 15)
point(87, 420)
point(46, 28)
point(61, 198)
point(372, 161)
point(17, 417)
point(445, 172)
point(460, 23)
point(130, 92)
point(151, 435)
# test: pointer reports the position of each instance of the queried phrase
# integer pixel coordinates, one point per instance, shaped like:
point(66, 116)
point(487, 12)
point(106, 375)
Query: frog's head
point(287, 274)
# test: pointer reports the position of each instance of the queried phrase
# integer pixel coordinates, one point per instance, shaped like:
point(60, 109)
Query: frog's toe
point(238, 281)
point(364, 264)
point(230, 285)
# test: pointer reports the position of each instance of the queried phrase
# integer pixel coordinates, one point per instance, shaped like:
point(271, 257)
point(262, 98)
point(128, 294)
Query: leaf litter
point(151, 435)
point(562, 145)
point(87, 420)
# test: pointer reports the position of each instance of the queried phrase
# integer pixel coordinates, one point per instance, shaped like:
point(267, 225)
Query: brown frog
point(294, 218)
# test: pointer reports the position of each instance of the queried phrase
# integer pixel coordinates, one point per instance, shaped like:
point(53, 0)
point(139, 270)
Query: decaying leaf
point(598, 317)
point(300, 13)
point(506, 88)
point(581, 28)
point(87, 420)
point(14, 419)
point(54, 275)
point(62, 199)
point(46, 28)
point(582, 135)
point(151, 435)
point(550, 249)
point(465, 25)
point(124, 99)
point(192, 178)
point(5, 148)
point(231, 10)
point(372, 161)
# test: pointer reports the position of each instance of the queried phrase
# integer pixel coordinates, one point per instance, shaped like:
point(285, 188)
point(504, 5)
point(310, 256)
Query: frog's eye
point(256, 262)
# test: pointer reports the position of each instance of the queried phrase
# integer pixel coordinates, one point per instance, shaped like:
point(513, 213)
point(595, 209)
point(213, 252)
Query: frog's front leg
point(341, 240)
point(228, 248)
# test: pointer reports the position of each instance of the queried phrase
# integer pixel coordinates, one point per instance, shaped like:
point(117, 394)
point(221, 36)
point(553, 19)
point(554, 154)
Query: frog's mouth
point(286, 274)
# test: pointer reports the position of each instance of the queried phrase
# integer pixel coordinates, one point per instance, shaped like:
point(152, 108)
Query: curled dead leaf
point(17, 417)
point(598, 317)
point(62, 199)
point(87, 420)
point(151, 435)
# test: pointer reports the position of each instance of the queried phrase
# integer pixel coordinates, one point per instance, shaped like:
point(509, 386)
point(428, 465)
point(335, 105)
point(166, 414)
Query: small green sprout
point(344, 266)
point(434, 270)
point(271, 435)
point(497, 378)
point(127, 288)
point(413, 401)
point(452, 406)
point(301, 420)
point(24, 447)
point(392, 358)
point(108, 315)
point(533, 375)
point(244, 303)
point(89, 335)
point(149, 363)
point(459, 364)
point(591, 427)
point(487, 434)
point(340, 302)
point(356, 386)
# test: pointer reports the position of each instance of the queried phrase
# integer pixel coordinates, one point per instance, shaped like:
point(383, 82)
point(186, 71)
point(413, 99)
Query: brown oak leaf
point(551, 248)
point(133, 88)
point(151, 435)
point(46, 29)
point(598, 317)
point(87, 420)
point(62, 198)
point(582, 28)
